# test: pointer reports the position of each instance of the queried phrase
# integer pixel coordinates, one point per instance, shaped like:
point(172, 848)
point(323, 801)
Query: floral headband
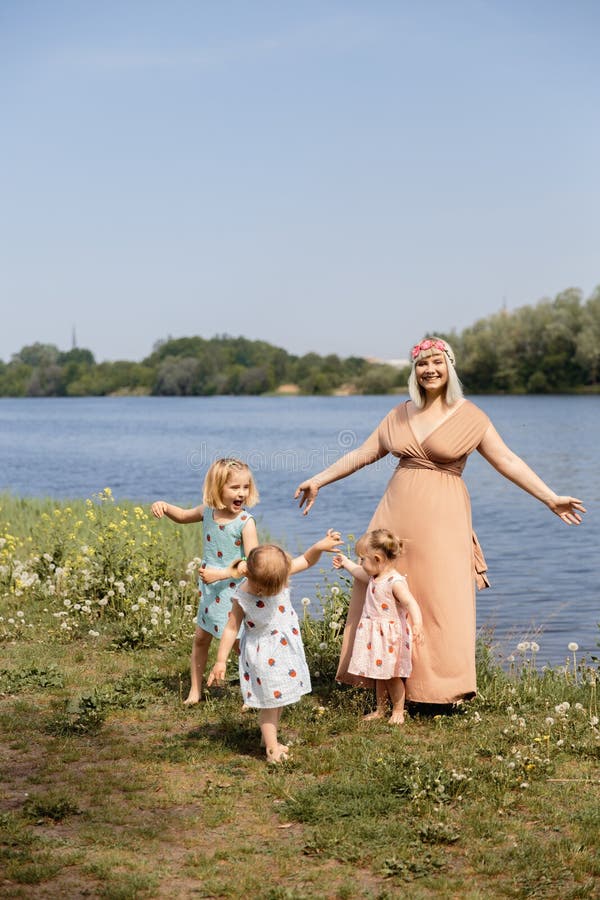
point(428, 344)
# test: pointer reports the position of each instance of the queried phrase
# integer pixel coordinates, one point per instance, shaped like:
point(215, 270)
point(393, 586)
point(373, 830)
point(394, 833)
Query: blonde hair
point(218, 476)
point(268, 567)
point(380, 540)
point(454, 389)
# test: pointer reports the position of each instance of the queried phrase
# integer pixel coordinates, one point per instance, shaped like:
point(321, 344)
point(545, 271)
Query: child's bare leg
point(269, 721)
point(397, 692)
point(283, 747)
point(381, 695)
point(200, 647)
point(236, 648)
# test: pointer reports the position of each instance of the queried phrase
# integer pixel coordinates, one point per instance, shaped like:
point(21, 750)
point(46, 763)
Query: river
point(545, 575)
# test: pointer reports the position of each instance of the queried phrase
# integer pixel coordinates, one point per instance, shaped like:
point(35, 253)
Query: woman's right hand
point(159, 508)
point(309, 490)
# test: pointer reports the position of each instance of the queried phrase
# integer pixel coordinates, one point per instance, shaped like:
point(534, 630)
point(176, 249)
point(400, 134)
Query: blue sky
point(328, 176)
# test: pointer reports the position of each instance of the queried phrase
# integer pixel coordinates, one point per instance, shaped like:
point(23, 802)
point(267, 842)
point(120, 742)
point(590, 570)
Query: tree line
point(552, 346)
point(191, 366)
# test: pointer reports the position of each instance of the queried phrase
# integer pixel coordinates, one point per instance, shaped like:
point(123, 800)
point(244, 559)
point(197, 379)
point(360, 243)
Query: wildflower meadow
point(112, 788)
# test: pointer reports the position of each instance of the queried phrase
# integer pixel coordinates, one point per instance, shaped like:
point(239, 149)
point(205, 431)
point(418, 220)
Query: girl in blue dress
point(272, 665)
point(229, 533)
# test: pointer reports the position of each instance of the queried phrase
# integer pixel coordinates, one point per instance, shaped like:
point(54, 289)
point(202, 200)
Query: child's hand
point(338, 561)
point(210, 574)
point(417, 634)
point(240, 569)
point(330, 542)
point(159, 508)
point(217, 674)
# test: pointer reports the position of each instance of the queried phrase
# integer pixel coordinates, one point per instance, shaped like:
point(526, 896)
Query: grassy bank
point(111, 788)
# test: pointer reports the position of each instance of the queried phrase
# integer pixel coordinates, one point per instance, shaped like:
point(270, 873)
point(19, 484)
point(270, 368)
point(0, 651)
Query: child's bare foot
point(377, 714)
point(283, 747)
point(277, 754)
point(191, 699)
point(397, 717)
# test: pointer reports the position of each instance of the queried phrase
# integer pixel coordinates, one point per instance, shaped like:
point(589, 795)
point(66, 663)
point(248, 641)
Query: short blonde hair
point(268, 567)
point(218, 476)
point(380, 540)
point(454, 389)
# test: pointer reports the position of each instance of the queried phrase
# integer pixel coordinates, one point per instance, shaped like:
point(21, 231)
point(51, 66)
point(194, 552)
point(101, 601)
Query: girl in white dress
point(272, 665)
point(384, 637)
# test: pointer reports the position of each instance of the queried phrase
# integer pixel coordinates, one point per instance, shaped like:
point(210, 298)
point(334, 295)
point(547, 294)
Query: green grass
point(160, 800)
point(111, 788)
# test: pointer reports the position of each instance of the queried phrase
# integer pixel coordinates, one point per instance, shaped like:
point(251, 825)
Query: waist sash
point(420, 462)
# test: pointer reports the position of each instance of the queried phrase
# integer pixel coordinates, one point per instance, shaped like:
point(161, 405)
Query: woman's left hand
point(568, 509)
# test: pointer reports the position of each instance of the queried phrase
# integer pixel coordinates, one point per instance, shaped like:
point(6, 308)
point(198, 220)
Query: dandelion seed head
point(573, 647)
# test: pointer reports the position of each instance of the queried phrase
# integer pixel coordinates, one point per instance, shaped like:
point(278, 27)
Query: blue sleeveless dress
point(221, 545)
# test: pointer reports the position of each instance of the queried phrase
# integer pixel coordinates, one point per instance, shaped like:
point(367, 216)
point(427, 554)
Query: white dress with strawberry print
point(273, 669)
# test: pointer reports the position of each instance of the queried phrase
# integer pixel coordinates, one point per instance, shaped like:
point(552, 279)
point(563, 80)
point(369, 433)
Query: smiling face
point(431, 371)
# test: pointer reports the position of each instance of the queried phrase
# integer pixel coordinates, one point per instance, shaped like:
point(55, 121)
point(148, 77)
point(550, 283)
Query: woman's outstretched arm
point(505, 461)
point(367, 453)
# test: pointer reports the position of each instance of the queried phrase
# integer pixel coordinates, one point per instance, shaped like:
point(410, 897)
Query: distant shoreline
point(587, 391)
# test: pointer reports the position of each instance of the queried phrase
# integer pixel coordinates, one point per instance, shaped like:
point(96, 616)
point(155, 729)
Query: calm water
point(544, 574)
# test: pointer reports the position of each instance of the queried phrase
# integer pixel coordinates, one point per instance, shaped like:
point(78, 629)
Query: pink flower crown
point(428, 344)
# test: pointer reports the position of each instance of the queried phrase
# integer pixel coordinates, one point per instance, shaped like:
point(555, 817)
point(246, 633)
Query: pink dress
point(383, 642)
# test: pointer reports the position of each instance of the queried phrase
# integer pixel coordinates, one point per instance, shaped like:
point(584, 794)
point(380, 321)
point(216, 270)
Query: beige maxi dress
point(426, 503)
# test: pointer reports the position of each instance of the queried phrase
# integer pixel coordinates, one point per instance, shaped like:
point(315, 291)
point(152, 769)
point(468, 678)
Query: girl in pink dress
point(383, 643)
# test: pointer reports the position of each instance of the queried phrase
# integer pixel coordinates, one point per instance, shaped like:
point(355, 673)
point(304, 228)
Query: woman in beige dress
point(427, 505)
